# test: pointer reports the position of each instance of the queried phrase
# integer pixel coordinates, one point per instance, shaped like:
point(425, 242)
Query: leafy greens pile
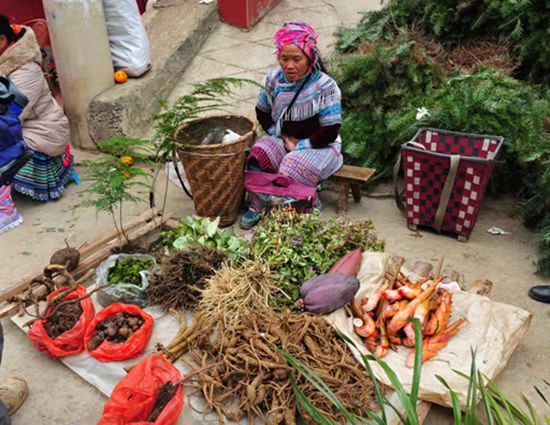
point(126, 270)
point(198, 231)
point(299, 246)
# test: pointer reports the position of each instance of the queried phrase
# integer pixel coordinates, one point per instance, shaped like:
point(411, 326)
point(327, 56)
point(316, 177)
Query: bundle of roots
point(181, 284)
point(231, 294)
point(251, 378)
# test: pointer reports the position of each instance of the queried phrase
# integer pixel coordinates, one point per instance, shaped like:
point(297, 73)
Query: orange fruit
point(121, 77)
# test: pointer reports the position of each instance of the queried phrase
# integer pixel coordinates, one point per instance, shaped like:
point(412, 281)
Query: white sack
point(127, 37)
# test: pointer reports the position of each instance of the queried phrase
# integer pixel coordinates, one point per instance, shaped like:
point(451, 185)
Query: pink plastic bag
point(132, 400)
point(70, 342)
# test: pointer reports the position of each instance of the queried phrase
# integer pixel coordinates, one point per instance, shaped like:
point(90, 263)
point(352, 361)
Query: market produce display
point(297, 247)
point(328, 292)
point(124, 278)
point(184, 277)
point(232, 293)
point(128, 269)
point(383, 318)
point(137, 397)
point(63, 319)
point(252, 379)
point(68, 257)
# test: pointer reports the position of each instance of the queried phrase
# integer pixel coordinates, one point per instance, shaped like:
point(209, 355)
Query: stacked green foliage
point(384, 87)
point(487, 103)
point(523, 24)
point(374, 85)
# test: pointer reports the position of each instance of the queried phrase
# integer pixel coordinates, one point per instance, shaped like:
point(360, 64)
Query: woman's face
point(293, 62)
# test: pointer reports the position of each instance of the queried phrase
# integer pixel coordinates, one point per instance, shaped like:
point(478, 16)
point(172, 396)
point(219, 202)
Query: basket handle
point(175, 162)
point(446, 192)
point(398, 193)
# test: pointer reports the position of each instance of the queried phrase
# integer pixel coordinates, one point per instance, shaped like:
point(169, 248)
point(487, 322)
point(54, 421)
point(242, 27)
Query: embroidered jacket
point(314, 118)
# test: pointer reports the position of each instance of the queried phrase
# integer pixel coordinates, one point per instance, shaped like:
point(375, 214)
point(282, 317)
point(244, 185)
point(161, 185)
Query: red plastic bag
point(70, 342)
point(133, 398)
point(116, 351)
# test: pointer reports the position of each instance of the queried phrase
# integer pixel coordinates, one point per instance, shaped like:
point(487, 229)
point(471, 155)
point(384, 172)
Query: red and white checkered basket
point(446, 175)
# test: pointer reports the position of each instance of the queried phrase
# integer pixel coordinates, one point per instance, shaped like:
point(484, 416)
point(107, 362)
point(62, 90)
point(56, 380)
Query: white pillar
point(81, 49)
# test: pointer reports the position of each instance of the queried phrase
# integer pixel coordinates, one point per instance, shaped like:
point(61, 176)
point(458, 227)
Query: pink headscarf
point(300, 34)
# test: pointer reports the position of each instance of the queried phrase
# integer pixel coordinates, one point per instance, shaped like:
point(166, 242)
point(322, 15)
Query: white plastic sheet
point(127, 37)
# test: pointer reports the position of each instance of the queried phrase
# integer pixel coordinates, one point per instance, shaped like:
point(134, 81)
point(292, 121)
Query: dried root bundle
point(251, 378)
point(233, 293)
point(181, 284)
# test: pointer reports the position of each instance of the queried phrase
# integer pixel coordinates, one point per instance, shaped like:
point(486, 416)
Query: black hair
point(6, 29)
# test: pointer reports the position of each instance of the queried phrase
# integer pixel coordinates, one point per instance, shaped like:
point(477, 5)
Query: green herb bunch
point(113, 177)
point(299, 246)
point(198, 231)
point(126, 270)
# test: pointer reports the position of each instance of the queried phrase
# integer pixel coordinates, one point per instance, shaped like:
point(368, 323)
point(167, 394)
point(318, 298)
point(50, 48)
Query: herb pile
point(520, 24)
point(182, 281)
point(197, 231)
point(297, 247)
point(126, 270)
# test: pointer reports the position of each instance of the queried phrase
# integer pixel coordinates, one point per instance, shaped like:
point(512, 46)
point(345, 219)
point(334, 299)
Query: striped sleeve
point(265, 100)
point(330, 104)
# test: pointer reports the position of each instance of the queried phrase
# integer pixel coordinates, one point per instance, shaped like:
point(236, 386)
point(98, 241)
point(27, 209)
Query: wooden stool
point(350, 178)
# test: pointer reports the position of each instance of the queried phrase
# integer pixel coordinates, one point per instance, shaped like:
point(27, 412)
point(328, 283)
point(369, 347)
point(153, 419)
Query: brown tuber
point(117, 328)
point(67, 257)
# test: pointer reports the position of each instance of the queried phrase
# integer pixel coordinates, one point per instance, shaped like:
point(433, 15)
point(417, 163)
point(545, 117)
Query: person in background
point(45, 127)
point(300, 109)
point(13, 153)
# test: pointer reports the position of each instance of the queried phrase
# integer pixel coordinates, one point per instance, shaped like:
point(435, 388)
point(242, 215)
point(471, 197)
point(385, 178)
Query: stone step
point(177, 29)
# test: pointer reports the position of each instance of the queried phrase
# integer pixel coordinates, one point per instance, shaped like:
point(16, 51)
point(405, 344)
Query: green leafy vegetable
point(300, 246)
point(127, 269)
point(197, 231)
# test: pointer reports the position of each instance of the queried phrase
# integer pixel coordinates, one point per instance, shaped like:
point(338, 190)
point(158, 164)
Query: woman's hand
point(290, 143)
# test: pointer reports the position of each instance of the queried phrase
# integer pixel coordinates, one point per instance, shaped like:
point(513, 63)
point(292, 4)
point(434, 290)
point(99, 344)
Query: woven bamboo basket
point(215, 172)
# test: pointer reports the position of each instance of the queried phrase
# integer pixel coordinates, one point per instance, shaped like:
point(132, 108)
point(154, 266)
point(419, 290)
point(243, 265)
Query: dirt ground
point(505, 260)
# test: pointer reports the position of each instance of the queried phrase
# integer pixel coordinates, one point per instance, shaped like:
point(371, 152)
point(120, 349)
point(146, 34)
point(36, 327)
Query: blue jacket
point(12, 145)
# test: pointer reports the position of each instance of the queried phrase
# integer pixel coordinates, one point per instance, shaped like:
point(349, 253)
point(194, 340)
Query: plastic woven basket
point(216, 172)
point(446, 175)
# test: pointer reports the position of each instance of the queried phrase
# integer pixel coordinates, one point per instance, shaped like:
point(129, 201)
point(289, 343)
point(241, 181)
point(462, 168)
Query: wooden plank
point(353, 173)
point(87, 248)
point(105, 244)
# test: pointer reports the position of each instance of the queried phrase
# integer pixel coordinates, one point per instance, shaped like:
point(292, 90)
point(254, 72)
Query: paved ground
point(60, 397)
